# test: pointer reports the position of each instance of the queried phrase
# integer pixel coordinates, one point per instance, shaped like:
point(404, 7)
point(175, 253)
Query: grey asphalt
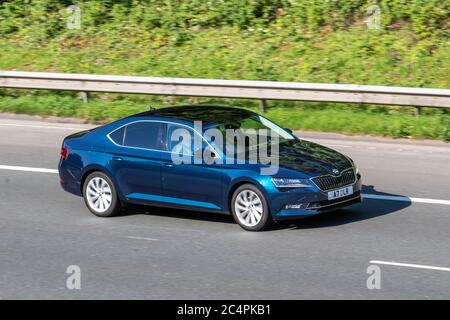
point(153, 253)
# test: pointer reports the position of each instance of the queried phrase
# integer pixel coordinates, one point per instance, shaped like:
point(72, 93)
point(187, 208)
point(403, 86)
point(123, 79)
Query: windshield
point(248, 129)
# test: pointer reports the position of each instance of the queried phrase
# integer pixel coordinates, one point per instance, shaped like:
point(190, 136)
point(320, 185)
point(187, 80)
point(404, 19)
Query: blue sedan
point(209, 158)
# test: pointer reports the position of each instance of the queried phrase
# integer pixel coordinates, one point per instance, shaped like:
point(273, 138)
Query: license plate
point(339, 193)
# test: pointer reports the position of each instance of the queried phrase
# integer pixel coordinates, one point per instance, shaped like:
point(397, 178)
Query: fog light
point(297, 206)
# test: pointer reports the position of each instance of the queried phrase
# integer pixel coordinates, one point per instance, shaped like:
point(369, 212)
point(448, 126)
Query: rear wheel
point(100, 195)
point(250, 209)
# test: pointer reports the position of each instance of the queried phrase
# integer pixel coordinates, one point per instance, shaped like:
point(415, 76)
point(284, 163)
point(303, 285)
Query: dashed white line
point(339, 145)
point(365, 195)
point(405, 199)
point(408, 265)
point(28, 169)
point(142, 238)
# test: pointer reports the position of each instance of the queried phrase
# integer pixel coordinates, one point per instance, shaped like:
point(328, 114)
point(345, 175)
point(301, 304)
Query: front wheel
point(250, 209)
point(100, 195)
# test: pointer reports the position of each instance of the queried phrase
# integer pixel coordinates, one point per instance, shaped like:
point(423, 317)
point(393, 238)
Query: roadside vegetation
point(281, 40)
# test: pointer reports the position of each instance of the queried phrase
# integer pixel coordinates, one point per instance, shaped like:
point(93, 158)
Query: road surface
point(402, 226)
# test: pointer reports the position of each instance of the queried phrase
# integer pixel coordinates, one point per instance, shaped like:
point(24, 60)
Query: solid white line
point(408, 265)
point(339, 145)
point(141, 238)
point(406, 199)
point(28, 169)
point(365, 195)
point(39, 126)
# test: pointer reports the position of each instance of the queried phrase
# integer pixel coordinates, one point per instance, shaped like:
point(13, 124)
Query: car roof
point(190, 113)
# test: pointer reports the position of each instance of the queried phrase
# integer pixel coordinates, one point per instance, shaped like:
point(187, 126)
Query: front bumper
point(313, 201)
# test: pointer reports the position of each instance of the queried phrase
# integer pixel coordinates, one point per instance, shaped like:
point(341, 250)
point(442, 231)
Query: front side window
point(180, 139)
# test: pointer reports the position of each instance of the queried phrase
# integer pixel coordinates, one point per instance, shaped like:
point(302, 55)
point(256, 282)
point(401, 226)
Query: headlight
point(353, 165)
point(290, 183)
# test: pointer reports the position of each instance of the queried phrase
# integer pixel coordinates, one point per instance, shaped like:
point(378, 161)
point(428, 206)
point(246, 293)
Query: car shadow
point(178, 213)
point(367, 209)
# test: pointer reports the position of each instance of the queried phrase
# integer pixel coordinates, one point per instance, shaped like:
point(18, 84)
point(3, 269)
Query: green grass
point(352, 119)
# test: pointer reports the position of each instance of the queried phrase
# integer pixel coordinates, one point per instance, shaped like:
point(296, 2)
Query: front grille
point(329, 182)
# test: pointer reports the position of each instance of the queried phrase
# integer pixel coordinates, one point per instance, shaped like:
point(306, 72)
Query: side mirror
point(209, 157)
point(198, 153)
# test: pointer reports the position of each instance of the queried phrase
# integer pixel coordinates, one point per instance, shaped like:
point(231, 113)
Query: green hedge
point(42, 18)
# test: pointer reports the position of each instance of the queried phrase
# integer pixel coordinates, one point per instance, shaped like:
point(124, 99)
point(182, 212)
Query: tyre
point(100, 195)
point(250, 209)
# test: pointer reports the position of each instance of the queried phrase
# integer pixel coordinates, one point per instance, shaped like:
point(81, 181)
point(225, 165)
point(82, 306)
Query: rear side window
point(145, 134)
point(117, 136)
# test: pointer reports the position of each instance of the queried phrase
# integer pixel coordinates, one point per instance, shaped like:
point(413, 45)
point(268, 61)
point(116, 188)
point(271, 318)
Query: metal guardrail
point(262, 90)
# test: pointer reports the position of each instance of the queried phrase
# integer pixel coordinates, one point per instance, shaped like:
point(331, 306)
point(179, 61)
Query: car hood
point(312, 158)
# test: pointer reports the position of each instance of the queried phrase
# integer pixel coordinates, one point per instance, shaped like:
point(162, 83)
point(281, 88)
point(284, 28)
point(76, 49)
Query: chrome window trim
point(158, 121)
point(339, 175)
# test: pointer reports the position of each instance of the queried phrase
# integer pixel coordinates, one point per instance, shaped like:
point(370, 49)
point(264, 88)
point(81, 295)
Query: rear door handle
point(167, 164)
point(117, 158)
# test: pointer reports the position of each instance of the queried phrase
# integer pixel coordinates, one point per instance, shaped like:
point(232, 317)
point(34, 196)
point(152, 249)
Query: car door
point(191, 184)
point(136, 158)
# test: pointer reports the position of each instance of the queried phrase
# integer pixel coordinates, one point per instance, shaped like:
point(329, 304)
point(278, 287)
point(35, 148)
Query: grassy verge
point(353, 119)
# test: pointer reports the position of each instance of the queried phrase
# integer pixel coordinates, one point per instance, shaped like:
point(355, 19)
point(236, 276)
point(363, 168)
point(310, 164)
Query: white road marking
point(365, 195)
point(339, 145)
point(39, 126)
point(28, 169)
point(408, 265)
point(141, 238)
point(405, 199)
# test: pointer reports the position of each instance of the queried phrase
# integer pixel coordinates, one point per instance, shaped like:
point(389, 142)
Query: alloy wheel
point(98, 194)
point(248, 208)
